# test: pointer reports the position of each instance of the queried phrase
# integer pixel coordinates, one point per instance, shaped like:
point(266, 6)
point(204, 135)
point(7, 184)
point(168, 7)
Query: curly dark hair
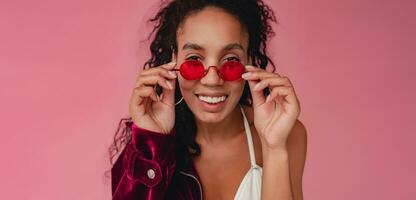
point(254, 16)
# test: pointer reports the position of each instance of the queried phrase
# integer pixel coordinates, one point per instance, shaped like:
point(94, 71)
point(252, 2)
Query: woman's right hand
point(147, 109)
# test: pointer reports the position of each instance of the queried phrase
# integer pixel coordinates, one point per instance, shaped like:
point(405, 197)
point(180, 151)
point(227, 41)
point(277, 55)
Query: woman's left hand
point(276, 114)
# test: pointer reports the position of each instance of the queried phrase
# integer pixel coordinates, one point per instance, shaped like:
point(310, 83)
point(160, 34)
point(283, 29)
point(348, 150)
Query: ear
point(174, 55)
point(249, 60)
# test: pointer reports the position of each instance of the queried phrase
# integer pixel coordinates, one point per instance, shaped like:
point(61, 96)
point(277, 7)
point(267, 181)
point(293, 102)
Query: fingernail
point(246, 75)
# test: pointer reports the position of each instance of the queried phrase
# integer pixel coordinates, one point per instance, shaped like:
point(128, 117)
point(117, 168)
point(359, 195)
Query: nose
point(212, 77)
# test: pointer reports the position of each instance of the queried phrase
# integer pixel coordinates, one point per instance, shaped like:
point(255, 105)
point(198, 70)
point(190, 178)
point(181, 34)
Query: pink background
point(67, 69)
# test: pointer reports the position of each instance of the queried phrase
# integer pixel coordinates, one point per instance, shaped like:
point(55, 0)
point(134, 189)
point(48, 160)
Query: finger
point(168, 96)
point(166, 73)
point(272, 82)
point(250, 68)
point(162, 73)
point(141, 93)
point(258, 75)
point(153, 80)
point(287, 94)
point(169, 65)
point(161, 70)
point(257, 96)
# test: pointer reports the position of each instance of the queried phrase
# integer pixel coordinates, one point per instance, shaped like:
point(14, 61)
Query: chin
point(207, 117)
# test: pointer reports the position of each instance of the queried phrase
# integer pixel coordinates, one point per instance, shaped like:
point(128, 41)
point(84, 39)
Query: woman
point(221, 128)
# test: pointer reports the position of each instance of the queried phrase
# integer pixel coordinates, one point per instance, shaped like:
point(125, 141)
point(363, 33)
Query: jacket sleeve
point(145, 167)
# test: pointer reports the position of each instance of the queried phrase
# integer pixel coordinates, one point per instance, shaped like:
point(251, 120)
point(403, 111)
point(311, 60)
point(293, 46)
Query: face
point(212, 37)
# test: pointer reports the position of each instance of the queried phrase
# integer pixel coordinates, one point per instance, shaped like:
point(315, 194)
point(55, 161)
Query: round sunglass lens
point(232, 70)
point(192, 70)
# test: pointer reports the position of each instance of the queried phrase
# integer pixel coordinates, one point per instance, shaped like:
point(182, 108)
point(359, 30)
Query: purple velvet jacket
point(147, 169)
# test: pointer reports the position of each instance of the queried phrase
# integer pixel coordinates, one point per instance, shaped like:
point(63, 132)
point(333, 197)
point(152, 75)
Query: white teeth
point(212, 99)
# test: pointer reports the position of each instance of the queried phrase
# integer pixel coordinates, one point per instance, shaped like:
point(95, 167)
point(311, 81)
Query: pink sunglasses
point(193, 69)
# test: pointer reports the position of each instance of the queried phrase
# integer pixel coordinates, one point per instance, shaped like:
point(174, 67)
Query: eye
point(193, 57)
point(232, 58)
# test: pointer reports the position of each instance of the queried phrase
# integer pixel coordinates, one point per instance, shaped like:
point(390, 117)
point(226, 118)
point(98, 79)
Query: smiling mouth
point(212, 99)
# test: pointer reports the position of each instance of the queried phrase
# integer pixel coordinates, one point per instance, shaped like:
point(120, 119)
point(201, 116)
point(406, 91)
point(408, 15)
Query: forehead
point(212, 28)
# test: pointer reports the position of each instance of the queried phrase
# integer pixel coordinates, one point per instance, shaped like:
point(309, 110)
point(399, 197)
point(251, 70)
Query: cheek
point(237, 89)
point(185, 86)
point(240, 86)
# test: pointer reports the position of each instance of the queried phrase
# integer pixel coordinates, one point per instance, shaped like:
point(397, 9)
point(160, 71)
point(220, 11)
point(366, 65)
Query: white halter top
point(250, 187)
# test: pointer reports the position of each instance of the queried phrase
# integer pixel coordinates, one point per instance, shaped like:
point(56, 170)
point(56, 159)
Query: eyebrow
point(226, 48)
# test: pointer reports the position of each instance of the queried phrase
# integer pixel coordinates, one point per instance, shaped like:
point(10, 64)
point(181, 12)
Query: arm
point(283, 167)
point(297, 147)
point(145, 166)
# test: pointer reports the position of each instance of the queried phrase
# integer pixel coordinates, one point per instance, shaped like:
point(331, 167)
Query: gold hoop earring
point(179, 101)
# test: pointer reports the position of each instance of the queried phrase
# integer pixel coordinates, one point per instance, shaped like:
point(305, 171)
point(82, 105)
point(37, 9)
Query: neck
point(226, 129)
